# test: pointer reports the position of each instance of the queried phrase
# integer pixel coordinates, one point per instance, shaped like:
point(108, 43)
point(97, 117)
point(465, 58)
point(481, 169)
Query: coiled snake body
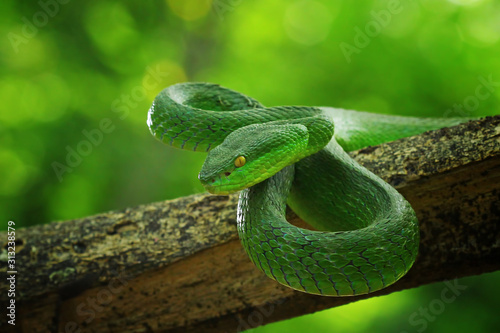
point(366, 234)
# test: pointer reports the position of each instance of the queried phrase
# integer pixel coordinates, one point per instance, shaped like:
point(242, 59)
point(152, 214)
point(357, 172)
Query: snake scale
point(366, 235)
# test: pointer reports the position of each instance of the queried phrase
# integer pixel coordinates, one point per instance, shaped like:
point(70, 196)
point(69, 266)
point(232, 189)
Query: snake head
point(252, 154)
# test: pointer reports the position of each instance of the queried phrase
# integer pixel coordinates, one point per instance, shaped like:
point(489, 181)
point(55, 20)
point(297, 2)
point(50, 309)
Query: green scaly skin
point(367, 234)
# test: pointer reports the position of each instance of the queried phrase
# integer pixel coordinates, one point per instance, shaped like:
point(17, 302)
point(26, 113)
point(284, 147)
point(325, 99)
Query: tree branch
point(178, 265)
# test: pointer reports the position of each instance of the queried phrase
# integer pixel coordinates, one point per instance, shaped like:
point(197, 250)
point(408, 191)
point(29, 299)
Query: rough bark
point(178, 265)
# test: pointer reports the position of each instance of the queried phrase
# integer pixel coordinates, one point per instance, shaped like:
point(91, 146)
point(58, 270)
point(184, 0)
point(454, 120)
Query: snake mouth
point(220, 189)
point(219, 184)
point(217, 190)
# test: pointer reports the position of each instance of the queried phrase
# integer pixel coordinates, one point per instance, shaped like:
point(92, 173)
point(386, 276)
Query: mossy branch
point(178, 265)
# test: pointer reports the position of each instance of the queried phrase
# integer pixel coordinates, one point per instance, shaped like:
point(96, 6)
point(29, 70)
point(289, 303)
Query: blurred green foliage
point(69, 67)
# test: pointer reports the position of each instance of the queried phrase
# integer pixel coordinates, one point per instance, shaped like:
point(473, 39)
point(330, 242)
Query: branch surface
point(178, 266)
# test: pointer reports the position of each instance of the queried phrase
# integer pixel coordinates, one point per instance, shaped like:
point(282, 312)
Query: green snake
point(366, 235)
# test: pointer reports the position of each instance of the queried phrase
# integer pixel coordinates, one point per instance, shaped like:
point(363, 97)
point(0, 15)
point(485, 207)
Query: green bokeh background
point(68, 67)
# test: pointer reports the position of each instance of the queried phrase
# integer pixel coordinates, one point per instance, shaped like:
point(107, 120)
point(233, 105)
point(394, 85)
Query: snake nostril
point(227, 174)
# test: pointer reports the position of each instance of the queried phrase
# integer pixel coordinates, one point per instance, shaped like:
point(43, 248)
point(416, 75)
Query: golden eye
point(240, 161)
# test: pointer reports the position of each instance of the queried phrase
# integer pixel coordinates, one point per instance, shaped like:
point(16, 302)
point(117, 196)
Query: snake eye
point(240, 161)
